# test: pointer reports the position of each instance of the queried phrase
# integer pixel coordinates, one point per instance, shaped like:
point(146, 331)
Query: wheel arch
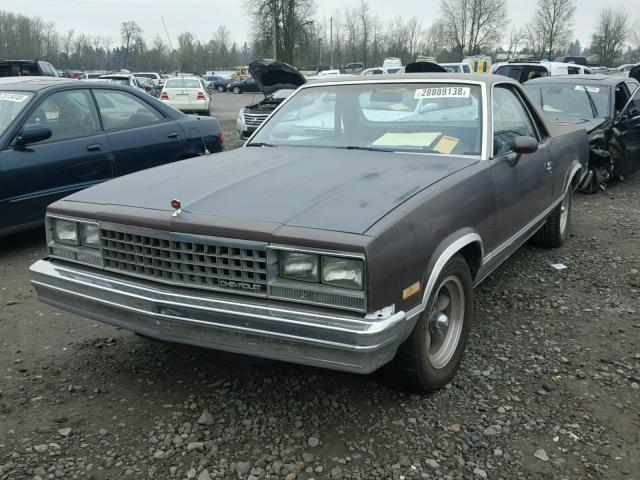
point(466, 242)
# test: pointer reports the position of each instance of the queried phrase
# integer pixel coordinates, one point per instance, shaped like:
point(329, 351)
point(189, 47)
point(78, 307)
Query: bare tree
point(516, 37)
point(551, 27)
point(474, 26)
point(131, 34)
point(610, 36)
point(634, 34)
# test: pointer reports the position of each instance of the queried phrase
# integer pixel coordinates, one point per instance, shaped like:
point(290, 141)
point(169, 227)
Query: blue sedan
point(58, 136)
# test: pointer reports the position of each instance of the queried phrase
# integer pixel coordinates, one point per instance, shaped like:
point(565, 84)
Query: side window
point(122, 110)
point(510, 119)
point(573, 70)
point(69, 114)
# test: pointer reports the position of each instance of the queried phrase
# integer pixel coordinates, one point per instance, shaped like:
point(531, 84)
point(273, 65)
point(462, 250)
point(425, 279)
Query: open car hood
point(424, 67)
point(635, 72)
point(273, 75)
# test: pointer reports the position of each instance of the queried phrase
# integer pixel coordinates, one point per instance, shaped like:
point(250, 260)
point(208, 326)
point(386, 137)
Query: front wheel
point(236, 90)
point(555, 231)
point(429, 358)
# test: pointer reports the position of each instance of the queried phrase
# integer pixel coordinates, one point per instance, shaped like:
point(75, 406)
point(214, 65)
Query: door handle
point(94, 147)
point(549, 166)
point(173, 135)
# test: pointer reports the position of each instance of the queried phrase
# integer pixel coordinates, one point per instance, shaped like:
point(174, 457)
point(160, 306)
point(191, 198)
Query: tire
point(555, 231)
point(220, 88)
point(236, 90)
point(430, 357)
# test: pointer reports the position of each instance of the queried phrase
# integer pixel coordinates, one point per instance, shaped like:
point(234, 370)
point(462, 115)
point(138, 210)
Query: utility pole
point(274, 44)
point(331, 40)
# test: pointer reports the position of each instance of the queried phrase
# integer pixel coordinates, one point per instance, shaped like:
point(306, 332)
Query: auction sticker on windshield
point(13, 97)
point(443, 92)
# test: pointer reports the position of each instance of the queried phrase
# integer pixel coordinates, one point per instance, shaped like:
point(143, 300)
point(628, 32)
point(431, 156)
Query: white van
point(523, 71)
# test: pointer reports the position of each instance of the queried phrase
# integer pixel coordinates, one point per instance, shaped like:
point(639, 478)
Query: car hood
point(588, 125)
point(273, 75)
point(338, 190)
point(635, 72)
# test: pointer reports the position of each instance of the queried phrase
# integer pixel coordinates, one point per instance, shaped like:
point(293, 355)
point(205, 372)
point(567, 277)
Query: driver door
point(524, 190)
point(76, 156)
point(628, 127)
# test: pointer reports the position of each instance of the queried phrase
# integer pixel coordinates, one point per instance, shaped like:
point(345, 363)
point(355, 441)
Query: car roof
point(33, 83)
point(487, 78)
point(571, 79)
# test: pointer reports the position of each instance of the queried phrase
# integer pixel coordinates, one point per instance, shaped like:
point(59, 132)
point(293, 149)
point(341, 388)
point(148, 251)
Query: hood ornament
point(177, 206)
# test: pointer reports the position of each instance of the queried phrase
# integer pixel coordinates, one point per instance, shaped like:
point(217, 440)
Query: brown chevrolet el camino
point(348, 232)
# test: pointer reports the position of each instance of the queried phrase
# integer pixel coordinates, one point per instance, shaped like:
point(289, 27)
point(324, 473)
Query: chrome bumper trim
point(253, 326)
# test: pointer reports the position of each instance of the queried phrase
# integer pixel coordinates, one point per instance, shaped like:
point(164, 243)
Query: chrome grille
point(191, 261)
point(254, 119)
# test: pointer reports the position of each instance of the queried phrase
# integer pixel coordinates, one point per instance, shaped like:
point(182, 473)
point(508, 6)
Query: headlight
point(342, 272)
point(299, 266)
point(89, 235)
point(65, 231)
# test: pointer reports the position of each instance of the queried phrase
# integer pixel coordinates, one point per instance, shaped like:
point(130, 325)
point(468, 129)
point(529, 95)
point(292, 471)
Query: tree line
point(298, 34)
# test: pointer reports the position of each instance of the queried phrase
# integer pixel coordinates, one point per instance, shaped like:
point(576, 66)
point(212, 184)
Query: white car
point(125, 79)
point(324, 73)
point(187, 94)
point(456, 67)
point(155, 76)
point(374, 71)
point(91, 76)
point(523, 71)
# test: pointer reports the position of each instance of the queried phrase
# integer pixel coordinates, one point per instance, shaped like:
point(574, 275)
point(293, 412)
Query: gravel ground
point(549, 386)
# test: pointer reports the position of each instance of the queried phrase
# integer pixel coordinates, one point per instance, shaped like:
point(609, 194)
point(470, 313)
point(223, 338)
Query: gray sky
point(103, 17)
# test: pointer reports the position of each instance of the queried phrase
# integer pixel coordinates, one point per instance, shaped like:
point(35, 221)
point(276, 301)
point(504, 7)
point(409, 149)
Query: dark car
point(608, 107)
point(59, 136)
point(27, 68)
point(216, 82)
point(349, 232)
point(276, 80)
point(577, 60)
point(243, 86)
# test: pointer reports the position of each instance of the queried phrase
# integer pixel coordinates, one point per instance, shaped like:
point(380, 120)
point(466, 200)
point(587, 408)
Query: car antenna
point(166, 30)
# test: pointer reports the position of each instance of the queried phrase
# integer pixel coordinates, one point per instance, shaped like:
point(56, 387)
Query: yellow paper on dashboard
point(418, 139)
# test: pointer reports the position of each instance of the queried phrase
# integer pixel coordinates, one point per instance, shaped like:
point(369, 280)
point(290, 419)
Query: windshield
point(571, 102)
point(282, 94)
point(11, 104)
point(18, 69)
point(183, 83)
point(434, 118)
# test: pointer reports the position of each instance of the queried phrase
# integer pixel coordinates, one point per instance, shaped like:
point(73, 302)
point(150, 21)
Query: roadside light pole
point(274, 44)
point(331, 40)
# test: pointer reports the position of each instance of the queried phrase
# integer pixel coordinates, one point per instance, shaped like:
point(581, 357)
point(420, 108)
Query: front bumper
point(309, 336)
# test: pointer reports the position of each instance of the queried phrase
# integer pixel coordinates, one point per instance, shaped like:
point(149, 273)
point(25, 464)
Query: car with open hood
point(608, 107)
point(347, 233)
point(276, 80)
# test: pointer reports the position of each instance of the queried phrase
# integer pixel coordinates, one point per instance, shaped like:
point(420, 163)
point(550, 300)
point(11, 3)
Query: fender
point(442, 254)
point(574, 169)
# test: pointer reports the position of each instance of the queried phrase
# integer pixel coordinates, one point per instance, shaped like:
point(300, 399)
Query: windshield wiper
point(369, 149)
point(261, 144)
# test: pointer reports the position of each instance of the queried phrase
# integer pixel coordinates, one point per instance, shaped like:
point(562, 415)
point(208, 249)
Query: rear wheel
point(429, 358)
point(220, 88)
point(555, 231)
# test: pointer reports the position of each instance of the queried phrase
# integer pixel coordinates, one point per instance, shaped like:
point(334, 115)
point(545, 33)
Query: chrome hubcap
point(445, 322)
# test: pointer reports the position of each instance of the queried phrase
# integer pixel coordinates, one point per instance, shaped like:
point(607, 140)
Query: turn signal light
point(200, 96)
point(164, 96)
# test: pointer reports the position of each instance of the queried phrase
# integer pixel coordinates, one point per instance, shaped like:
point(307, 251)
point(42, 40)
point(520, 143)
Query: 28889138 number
point(442, 92)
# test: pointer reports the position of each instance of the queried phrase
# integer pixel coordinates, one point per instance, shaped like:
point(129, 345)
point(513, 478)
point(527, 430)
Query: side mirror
point(33, 134)
point(521, 145)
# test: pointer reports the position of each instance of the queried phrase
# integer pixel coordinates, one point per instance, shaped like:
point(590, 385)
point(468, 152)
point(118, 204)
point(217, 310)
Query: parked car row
point(329, 238)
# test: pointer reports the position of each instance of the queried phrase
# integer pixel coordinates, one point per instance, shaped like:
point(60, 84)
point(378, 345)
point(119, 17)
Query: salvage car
point(58, 136)
point(247, 85)
point(342, 235)
point(608, 107)
point(276, 80)
point(523, 71)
